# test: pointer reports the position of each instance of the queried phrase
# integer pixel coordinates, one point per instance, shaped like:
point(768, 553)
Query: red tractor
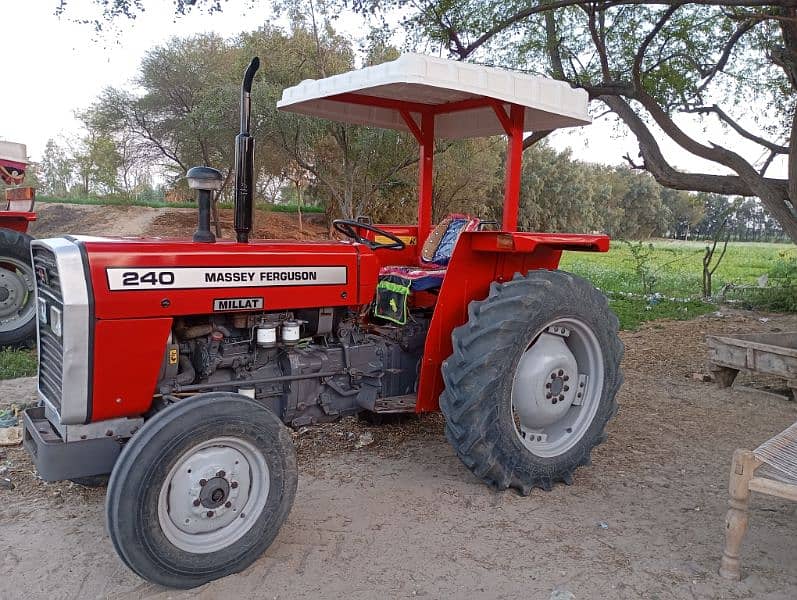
point(17, 297)
point(178, 366)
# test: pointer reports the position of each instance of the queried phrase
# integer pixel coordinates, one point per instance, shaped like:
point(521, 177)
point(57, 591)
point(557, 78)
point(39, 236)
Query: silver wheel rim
point(16, 293)
point(557, 387)
point(213, 495)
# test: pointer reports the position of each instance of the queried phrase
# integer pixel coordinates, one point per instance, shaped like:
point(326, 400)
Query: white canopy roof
point(13, 152)
point(433, 81)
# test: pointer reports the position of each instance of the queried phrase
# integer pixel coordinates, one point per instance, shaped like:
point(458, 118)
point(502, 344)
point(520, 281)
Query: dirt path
point(76, 219)
point(402, 518)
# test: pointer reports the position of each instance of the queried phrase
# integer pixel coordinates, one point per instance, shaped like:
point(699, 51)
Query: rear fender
point(479, 259)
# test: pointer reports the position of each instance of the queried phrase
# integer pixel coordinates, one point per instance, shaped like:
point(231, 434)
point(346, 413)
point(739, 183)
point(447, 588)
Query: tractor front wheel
point(201, 490)
point(17, 298)
point(532, 380)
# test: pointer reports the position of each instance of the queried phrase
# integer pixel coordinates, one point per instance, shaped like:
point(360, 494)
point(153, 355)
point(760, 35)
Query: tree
point(96, 163)
point(55, 170)
point(686, 211)
point(556, 193)
point(648, 61)
point(351, 164)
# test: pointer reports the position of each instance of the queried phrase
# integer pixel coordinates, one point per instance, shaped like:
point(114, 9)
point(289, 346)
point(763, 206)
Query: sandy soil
point(403, 518)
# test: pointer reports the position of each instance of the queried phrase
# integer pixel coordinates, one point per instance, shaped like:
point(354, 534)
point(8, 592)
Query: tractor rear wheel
point(201, 490)
point(532, 380)
point(17, 298)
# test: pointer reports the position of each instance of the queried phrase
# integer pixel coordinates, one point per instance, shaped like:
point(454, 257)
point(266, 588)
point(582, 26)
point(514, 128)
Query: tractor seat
point(435, 254)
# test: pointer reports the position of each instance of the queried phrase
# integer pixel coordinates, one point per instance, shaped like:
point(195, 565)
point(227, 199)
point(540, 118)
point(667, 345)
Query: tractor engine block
point(307, 366)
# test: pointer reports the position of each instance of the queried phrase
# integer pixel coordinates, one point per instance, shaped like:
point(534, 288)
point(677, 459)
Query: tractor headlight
point(42, 310)
point(55, 320)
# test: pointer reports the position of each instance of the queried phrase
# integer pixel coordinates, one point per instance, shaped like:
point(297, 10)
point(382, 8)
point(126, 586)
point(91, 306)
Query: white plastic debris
point(365, 439)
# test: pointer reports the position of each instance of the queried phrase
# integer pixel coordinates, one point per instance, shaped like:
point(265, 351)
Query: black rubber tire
point(132, 498)
point(14, 244)
point(478, 377)
point(93, 481)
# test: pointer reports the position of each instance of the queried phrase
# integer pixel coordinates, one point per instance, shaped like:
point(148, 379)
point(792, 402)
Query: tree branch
point(771, 146)
point(521, 15)
point(662, 171)
point(643, 48)
point(763, 170)
point(743, 28)
point(536, 137)
point(599, 41)
point(714, 153)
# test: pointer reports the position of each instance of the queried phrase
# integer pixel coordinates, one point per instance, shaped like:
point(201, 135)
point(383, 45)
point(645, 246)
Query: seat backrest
point(20, 199)
point(439, 246)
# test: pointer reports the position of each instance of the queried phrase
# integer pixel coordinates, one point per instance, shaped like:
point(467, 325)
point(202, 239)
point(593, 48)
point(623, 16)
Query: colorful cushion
point(420, 279)
point(439, 246)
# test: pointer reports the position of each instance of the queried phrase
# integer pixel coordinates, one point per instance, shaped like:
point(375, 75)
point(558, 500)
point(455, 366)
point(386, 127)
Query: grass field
point(676, 267)
point(17, 363)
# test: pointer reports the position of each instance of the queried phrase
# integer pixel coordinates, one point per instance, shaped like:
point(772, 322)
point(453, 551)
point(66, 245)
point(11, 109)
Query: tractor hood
point(134, 277)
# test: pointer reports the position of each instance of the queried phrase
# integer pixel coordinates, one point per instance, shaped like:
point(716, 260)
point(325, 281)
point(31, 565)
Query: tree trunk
point(299, 204)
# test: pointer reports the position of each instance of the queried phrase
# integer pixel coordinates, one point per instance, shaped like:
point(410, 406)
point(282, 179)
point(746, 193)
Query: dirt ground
point(77, 219)
point(403, 518)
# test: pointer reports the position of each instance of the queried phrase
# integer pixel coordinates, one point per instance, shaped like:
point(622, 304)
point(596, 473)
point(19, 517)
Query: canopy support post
point(514, 157)
point(425, 172)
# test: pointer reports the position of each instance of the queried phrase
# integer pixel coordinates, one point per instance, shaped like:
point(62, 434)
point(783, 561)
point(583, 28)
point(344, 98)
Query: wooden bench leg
point(724, 376)
point(742, 468)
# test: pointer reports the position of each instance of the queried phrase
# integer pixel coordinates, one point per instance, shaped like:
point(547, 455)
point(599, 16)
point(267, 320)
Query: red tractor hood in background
point(140, 278)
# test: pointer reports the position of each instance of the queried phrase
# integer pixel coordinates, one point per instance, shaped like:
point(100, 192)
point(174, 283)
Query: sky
point(61, 66)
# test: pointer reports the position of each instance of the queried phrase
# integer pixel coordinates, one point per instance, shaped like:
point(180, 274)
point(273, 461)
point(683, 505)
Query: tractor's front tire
point(17, 297)
point(201, 490)
point(531, 383)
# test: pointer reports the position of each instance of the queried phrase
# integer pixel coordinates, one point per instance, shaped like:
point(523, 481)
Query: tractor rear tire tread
point(476, 375)
point(15, 244)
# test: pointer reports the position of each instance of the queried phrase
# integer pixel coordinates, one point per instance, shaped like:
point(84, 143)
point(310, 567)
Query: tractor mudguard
point(480, 258)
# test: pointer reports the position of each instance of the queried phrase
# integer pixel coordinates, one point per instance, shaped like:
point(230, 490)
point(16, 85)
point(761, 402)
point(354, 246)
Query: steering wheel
point(349, 228)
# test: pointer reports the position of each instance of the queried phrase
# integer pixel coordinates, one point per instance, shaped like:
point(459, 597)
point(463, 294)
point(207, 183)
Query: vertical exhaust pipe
point(245, 160)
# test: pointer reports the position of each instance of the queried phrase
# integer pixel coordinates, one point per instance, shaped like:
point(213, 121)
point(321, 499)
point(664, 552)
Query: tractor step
point(396, 404)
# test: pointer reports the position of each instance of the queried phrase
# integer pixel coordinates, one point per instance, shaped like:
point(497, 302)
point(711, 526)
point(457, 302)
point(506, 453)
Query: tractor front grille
point(51, 351)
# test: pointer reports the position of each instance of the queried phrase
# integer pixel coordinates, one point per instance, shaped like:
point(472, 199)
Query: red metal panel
point(479, 259)
point(17, 221)
point(408, 234)
point(127, 359)
point(408, 106)
point(513, 168)
point(500, 112)
point(425, 172)
point(366, 100)
point(462, 105)
point(497, 241)
point(413, 125)
point(360, 262)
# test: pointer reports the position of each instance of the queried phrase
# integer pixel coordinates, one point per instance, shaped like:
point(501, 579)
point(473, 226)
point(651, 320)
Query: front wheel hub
point(205, 500)
point(214, 493)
